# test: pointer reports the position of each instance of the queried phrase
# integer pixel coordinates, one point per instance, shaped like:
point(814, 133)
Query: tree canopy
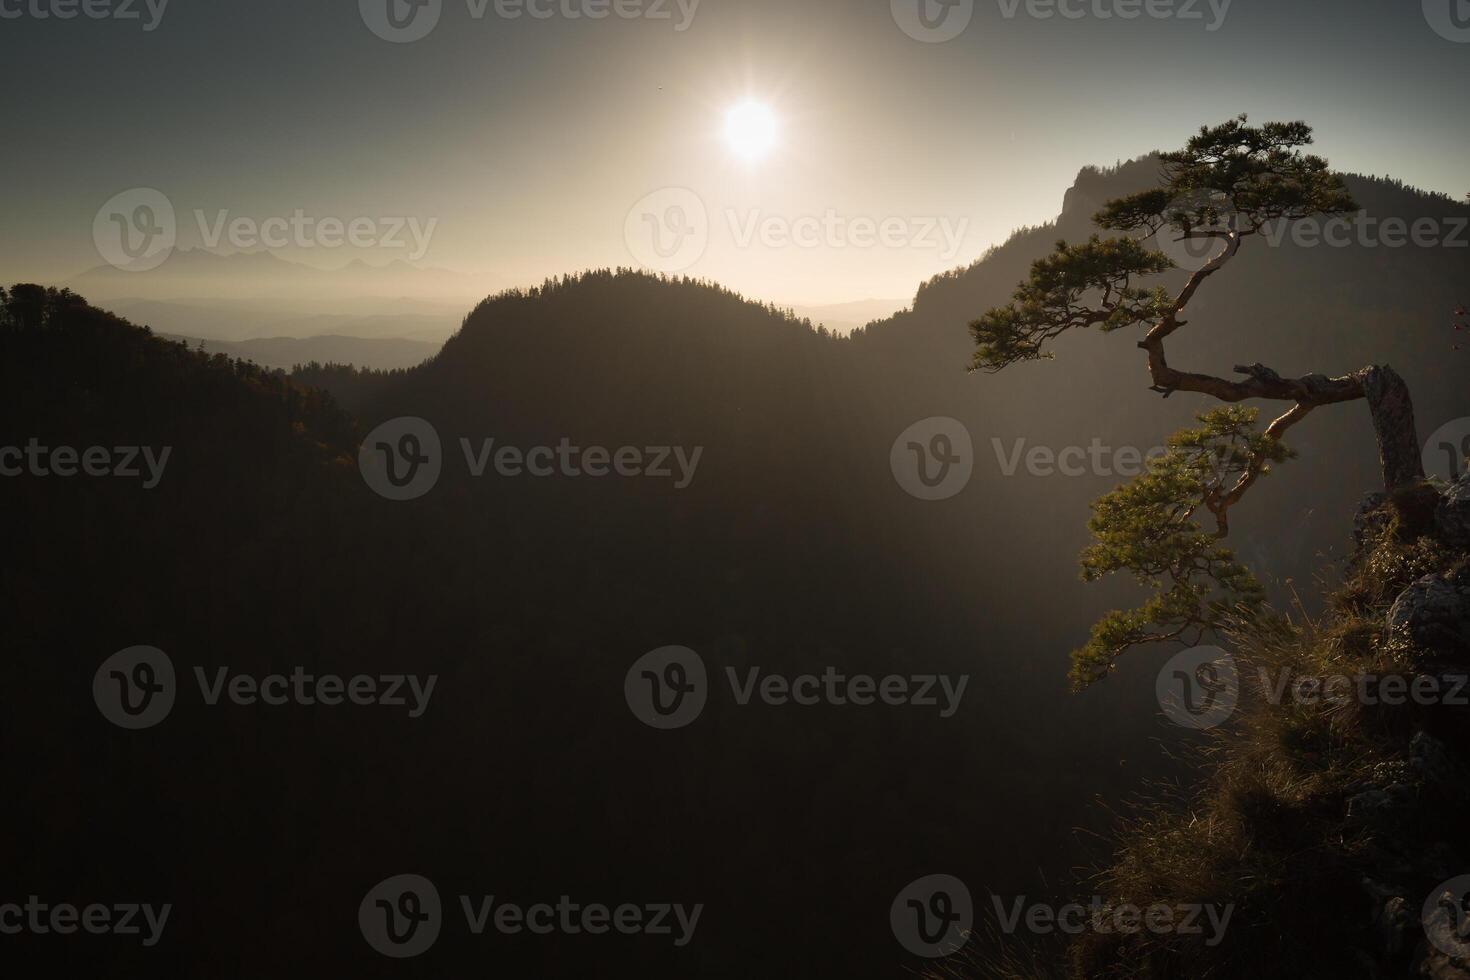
point(1227, 184)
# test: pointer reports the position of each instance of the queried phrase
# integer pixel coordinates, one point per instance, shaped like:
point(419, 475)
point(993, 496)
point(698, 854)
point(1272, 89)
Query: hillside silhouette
point(791, 548)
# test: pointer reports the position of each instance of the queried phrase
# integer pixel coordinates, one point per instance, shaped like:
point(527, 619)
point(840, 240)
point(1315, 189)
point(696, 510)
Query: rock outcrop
point(1452, 517)
point(1434, 615)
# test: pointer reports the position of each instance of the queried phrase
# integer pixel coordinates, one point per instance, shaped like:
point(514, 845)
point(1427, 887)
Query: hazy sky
point(518, 146)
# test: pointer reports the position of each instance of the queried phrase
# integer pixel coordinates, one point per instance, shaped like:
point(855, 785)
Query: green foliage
point(100, 350)
point(1283, 827)
point(1234, 175)
point(1051, 301)
point(1228, 182)
point(30, 307)
point(1256, 174)
point(1150, 528)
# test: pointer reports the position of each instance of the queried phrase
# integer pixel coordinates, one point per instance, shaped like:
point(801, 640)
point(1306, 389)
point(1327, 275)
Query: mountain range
point(792, 549)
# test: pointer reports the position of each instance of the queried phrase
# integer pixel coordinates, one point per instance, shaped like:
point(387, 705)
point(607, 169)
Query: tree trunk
point(1399, 451)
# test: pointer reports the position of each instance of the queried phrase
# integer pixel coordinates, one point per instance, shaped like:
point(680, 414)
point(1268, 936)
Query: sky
point(520, 139)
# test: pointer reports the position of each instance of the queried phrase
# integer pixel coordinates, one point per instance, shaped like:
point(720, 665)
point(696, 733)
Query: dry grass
point(1269, 829)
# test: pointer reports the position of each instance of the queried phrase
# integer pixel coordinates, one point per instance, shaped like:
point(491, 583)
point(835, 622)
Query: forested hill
point(783, 541)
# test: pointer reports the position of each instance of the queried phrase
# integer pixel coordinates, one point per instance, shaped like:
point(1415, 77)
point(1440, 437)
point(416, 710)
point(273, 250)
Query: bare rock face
point(1438, 965)
point(1446, 953)
point(1452, 518)
point(1431, 760)
point(1434, 613)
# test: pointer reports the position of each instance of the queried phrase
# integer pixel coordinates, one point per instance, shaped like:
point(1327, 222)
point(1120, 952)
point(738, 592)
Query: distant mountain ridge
point(199, 273)
point(285, 353)
point(793, 548)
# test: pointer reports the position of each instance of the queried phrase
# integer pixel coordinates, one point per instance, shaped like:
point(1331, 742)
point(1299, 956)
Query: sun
point(751, 130)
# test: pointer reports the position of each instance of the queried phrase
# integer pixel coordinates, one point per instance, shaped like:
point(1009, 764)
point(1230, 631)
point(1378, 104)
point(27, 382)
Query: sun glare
point(750, 130)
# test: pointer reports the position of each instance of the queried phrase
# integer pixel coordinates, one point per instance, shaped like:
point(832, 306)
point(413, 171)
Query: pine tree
point(1225, 186)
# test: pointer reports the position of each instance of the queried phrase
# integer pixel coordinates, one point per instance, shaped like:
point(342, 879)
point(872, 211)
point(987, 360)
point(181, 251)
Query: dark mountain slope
point(791, 549)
